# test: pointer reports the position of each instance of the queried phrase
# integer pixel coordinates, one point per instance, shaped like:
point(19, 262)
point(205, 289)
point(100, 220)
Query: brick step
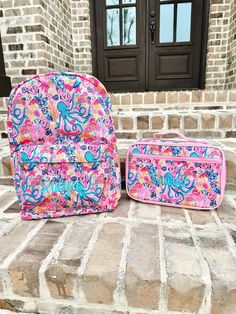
point(227, 145)
point(196, 123)
point(140, 258)
point(140, 123)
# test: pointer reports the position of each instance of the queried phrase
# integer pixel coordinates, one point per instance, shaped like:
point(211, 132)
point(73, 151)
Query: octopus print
point(185, 175)
point(63, 146)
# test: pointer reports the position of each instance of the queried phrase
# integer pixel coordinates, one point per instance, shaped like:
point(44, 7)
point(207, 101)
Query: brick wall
point(202, 114)
point(43, 35)
point(81, 36)
point(36, 36)
point(218, 33)
point(231, 56)
point(57, 35)
point(221, 41)
point(21, 24)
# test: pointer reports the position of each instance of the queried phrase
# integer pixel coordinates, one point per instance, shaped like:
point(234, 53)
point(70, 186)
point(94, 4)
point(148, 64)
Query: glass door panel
point(113, 27)
point(121, 22)
point(175, 21)
point(166, 23)
point(184, 17)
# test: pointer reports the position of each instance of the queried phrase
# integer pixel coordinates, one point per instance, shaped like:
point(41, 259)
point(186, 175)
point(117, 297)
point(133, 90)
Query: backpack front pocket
point(65, 178)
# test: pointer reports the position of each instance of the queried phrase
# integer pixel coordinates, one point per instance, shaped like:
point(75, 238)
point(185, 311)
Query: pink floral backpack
point(63, 146)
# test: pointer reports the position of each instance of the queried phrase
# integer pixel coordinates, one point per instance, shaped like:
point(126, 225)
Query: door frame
point(205, 20)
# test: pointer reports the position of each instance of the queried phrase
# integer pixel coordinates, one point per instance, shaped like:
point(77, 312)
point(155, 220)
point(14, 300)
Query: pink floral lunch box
point(176, 172)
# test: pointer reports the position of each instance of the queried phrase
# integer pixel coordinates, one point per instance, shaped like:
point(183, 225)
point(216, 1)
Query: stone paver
point(139, 259)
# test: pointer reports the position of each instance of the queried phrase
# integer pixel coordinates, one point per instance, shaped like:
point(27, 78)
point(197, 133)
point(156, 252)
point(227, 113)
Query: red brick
point(208, 121)
point(61, 274)
point(99, 280)
point(127, 123)
point(185, 284)
point(172, 213)
point(13, 239)
point(174, 122)
point(143, 122)
point(157, 122)
point(161, 98)
point(24, 271)
point(142, 278)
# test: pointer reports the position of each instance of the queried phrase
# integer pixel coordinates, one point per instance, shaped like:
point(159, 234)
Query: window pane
point(184, 12)
point(129, 26)
point(128, 1)
point(167, 23)
point(113, 27)
point(112, 2)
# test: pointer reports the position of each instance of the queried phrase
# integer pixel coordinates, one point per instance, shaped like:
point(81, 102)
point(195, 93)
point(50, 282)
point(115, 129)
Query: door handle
point(152, 29)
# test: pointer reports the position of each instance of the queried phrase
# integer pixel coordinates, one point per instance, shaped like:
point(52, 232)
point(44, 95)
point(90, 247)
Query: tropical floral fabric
point(63, 146)
point(177, 174)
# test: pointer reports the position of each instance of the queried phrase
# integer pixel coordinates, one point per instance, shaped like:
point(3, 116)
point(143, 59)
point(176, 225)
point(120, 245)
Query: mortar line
point(8, 227)
point(163, 300)
point(7, 206)
point(2, 192)
point(131, 211)
point(23, 244)
point(79, 293)
point(229, 240)
point(206, 275)
point(93, 306)
point(54, 253)
point(10, 216)
point(134, 220)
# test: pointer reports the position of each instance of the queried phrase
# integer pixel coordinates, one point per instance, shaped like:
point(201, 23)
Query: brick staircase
point(139, 259)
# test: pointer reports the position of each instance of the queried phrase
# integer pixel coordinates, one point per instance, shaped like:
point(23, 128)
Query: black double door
point(149, 44)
